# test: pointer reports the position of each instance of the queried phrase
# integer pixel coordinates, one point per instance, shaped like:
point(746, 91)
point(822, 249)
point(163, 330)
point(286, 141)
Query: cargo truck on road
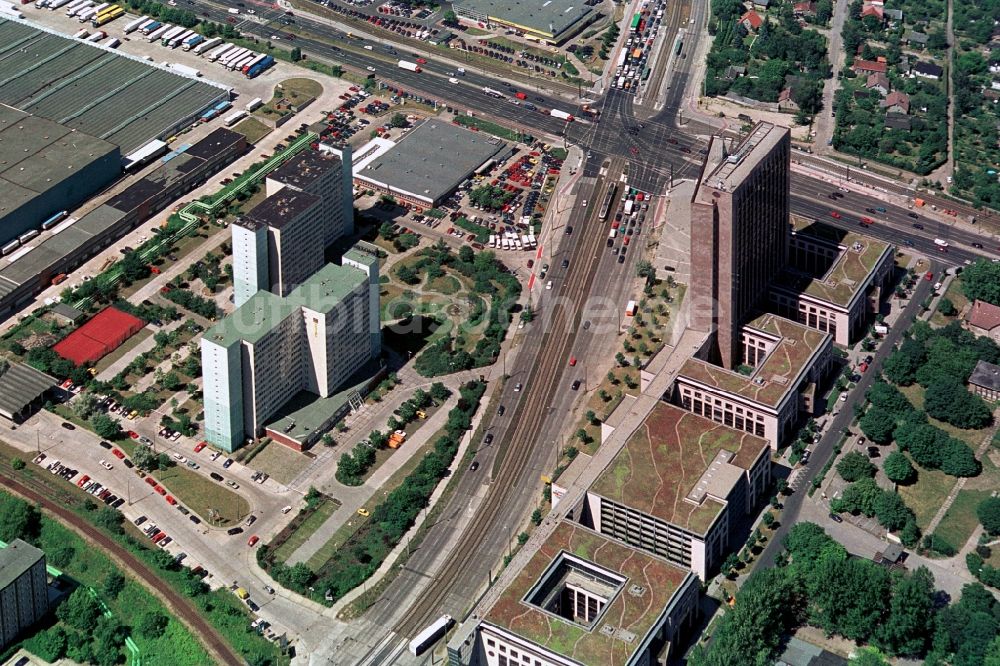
point(562, 115)
point(411, 66)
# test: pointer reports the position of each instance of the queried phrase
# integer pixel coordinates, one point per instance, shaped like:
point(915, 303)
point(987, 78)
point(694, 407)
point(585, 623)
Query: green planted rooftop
point(630, 610)
point(778, 375)
point(660, 469)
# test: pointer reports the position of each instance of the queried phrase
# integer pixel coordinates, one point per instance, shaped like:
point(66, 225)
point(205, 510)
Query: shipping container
point(56, 4)
point(253, 62)
point(179, 39)
point(81, 34)
point(236, 64)
point(54, 220)
point(206, 45)
point(97, 36)
point(28, 235)
point(156, 34)
point(191, 42)
point(132, 26)
point(150, 26)
point(229, 56)
point(184, 69)
point(10, 247)
point(77, 7)
point(86, 14)
point(170, 34)
point(107, 17)
point(235, 117)
point(260, 67)
point(220, 51)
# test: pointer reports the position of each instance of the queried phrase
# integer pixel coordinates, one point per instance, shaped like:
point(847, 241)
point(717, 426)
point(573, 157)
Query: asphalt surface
point(654, 149)
point(823, 450)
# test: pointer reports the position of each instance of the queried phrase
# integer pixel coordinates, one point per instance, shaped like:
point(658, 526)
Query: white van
point(453, 80)
point(461, 71)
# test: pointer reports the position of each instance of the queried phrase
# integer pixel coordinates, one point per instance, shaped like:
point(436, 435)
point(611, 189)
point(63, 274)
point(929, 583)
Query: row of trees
point(866, 497)
point(821, 585)
point(364, 552)
point(189, 300)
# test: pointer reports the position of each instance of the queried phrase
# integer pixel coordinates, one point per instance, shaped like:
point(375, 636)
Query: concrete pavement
point(824, 122)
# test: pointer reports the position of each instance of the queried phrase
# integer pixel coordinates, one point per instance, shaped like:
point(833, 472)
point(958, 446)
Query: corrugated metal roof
point(110, 95)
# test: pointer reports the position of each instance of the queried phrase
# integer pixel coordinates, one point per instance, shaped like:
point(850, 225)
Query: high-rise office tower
point(739, 233)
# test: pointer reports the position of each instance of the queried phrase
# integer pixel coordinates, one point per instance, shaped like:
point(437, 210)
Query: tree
point(18, 520)
point(644, 269)
point(85, 404)
point(113, 584)
point(17, 464)
point(386, 231)
point(808, 544)
point(398, 120)
point(898, 468)
point(854, 466)
point(889, 398)
point(767, 519)
point(988, 513)
point(902, 365)
point(80, 610)
point(450, 17)
point(891, 511)
point(981, 281)
point(947, 308)
point(527, 314)
point(847, 597)
point(878, 425)
point(868, 656)
point(948, 400)
point(152, 624)
point(105, 426)
point(621, 360)
point(591, 417)
point(536, 517)
point(296, 54)
point(144, 458)
point(49, 645)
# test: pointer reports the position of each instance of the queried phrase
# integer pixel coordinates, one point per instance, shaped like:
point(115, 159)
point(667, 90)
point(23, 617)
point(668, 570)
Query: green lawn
point(305, 530)
point(280, 462)
point(960, 520)
point(252, 129)
point(927, 495)
point(446, 284)
point(90, 566)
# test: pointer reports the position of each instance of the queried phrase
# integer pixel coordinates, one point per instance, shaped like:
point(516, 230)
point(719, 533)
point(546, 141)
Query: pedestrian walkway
point(352, 499)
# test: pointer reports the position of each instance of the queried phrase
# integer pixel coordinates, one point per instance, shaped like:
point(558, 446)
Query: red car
point(834, 214)
point(929, 276)
point(866, 221)
point(572, 361)
point(118, 454)
point(863, 367)
point(133, 434)
point(82, 482)
point(170, 500)
point(150, 480)
point(253, 541)
point(160, 489)
point(199, 446)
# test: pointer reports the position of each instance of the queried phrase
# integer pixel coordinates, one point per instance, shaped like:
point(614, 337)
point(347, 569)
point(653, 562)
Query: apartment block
point(278, 244)
point(835, 280)
point(272, 347)
point(24, 596)
point(784, 364)
point(682, 487)
point(325, 174)
point(739, 234)
point(585, 600)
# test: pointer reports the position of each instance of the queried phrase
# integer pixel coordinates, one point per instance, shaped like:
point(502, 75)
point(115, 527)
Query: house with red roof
point(869, 66)
point(896, 102)
point(984, 319)
point(751, 21)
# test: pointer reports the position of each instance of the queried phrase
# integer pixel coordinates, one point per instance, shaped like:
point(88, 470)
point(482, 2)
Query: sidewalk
point(355, 498)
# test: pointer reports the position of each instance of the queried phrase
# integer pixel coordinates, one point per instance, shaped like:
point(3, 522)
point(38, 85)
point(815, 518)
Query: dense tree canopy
point(898, 469)
point(988, 513)
point(981, 281)
point(946, 399)
point(854, 465)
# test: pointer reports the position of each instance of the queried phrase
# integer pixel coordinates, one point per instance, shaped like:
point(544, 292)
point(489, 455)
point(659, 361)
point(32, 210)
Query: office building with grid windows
point(271, 348)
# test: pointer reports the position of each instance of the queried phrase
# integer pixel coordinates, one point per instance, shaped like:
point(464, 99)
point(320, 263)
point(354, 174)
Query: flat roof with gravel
point(15, 559)
point(431, 161)
point(549, 17)
point(96, 90)
point(663, 468)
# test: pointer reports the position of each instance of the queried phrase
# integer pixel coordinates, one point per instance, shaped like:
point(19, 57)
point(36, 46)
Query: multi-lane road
point(453, 563)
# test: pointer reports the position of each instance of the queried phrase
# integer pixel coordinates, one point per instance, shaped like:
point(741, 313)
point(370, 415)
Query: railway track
point(542, 382)
point(39, 493)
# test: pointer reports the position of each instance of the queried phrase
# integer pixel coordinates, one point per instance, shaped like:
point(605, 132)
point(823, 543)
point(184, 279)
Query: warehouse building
point(682, 487)
point(73, 110)
point(583, 599)
point(427, 165)
point(46, 167)
point(272, 348)
point(553, 21)
point(73, 242)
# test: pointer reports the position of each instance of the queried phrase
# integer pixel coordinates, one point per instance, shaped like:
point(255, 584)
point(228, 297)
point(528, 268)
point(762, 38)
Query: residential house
point(894, 16)
point(985, 381)
point(984, 319)
point(733, 72)
point(898, 121)
point(761, 5)
point(878, 81)
point(804, 9)
point(995, 68)
point(914, 38)
point(751, 21)
point(995, 84)
point(896, 102)
point(873, 10)
point(785, 101)
point(928, 70)
point(869, 66)
point(992, 95)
